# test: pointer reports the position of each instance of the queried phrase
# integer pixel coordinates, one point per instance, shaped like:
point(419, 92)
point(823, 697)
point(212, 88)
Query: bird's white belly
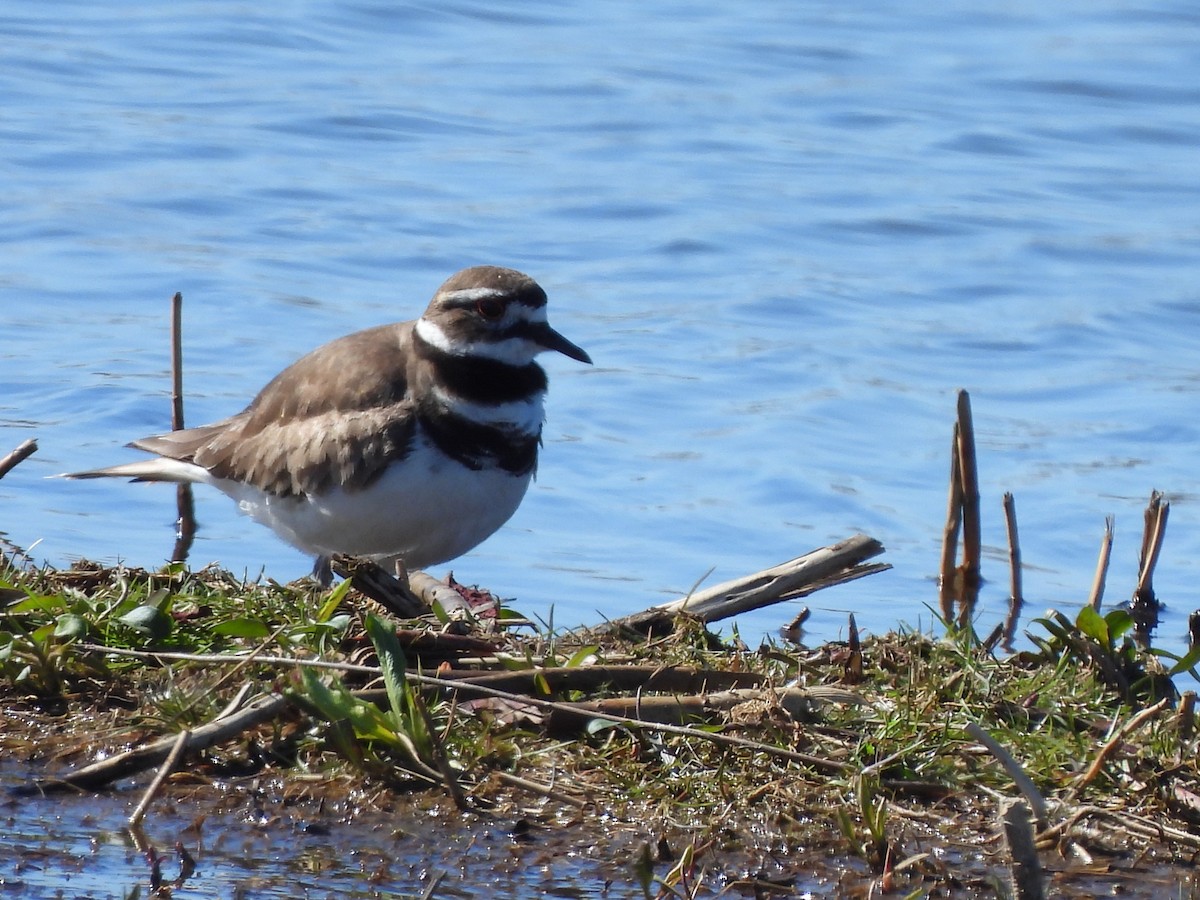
point(426, 509)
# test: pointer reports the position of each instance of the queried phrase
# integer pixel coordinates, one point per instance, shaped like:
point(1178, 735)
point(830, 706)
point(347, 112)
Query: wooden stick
point(168, 766)
point(1016, 597)
point(139, 759)
point(23, 451)
point(785, 581)
point(1106, 544)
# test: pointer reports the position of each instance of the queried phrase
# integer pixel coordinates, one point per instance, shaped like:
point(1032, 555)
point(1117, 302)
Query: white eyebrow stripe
point(513, 349)
point(468, 296)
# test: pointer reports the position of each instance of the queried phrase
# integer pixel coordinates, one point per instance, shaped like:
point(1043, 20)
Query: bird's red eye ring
point(490, 308)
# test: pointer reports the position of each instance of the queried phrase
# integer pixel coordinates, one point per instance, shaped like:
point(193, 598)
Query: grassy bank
point(885, 765)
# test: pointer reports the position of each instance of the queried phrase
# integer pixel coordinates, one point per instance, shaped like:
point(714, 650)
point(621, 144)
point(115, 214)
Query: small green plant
point(363, 732)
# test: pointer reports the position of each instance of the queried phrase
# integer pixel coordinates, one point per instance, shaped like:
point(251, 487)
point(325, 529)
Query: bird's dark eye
point(490, 308)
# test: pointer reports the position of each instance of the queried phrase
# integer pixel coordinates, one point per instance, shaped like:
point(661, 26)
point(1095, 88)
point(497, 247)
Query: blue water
point(787, 233)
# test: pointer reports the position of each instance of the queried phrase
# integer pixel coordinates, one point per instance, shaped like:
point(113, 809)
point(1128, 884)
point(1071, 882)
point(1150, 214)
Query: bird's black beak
point(552, 340)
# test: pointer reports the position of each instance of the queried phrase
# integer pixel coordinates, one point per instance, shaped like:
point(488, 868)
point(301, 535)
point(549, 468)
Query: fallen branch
point(132, 762)
point(799, 577)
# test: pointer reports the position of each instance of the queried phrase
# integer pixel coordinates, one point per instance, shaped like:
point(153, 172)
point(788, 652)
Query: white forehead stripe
point(467, 296)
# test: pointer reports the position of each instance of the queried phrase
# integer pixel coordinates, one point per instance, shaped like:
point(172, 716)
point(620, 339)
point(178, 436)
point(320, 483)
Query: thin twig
point(168, 766)
point(23, 451)
point(543, 790)
point(1135, 722)
point(1106, 544)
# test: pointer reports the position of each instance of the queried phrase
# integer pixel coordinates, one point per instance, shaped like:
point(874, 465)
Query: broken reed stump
point(1016, 598)
point(960, 584)
point(1106, 543)
point(1152, 541)
point(185, 504)
point(1145, 607)
point(795, 578)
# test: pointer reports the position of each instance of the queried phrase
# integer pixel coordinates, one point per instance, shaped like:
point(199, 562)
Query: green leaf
point(70, 626)
point(595, 726)
point(407, 722)
point(336, 596)
point(1094, 625)
point(35, 604)
point(148, 620)
point(581, 656)
point(1187, 662)
point(1119, 621)
point(243, 627)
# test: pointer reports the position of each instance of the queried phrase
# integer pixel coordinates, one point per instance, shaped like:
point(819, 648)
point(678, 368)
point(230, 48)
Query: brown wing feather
point(334, 417)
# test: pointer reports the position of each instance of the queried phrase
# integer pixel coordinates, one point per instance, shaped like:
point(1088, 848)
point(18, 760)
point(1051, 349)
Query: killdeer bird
point(407, 443)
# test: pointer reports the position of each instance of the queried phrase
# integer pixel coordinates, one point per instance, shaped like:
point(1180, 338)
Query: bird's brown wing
point(335, 417)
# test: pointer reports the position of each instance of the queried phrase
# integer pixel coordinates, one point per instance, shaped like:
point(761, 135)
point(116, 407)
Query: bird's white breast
point(425, 509)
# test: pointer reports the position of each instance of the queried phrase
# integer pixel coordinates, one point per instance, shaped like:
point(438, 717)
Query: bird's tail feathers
point(157, 469)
